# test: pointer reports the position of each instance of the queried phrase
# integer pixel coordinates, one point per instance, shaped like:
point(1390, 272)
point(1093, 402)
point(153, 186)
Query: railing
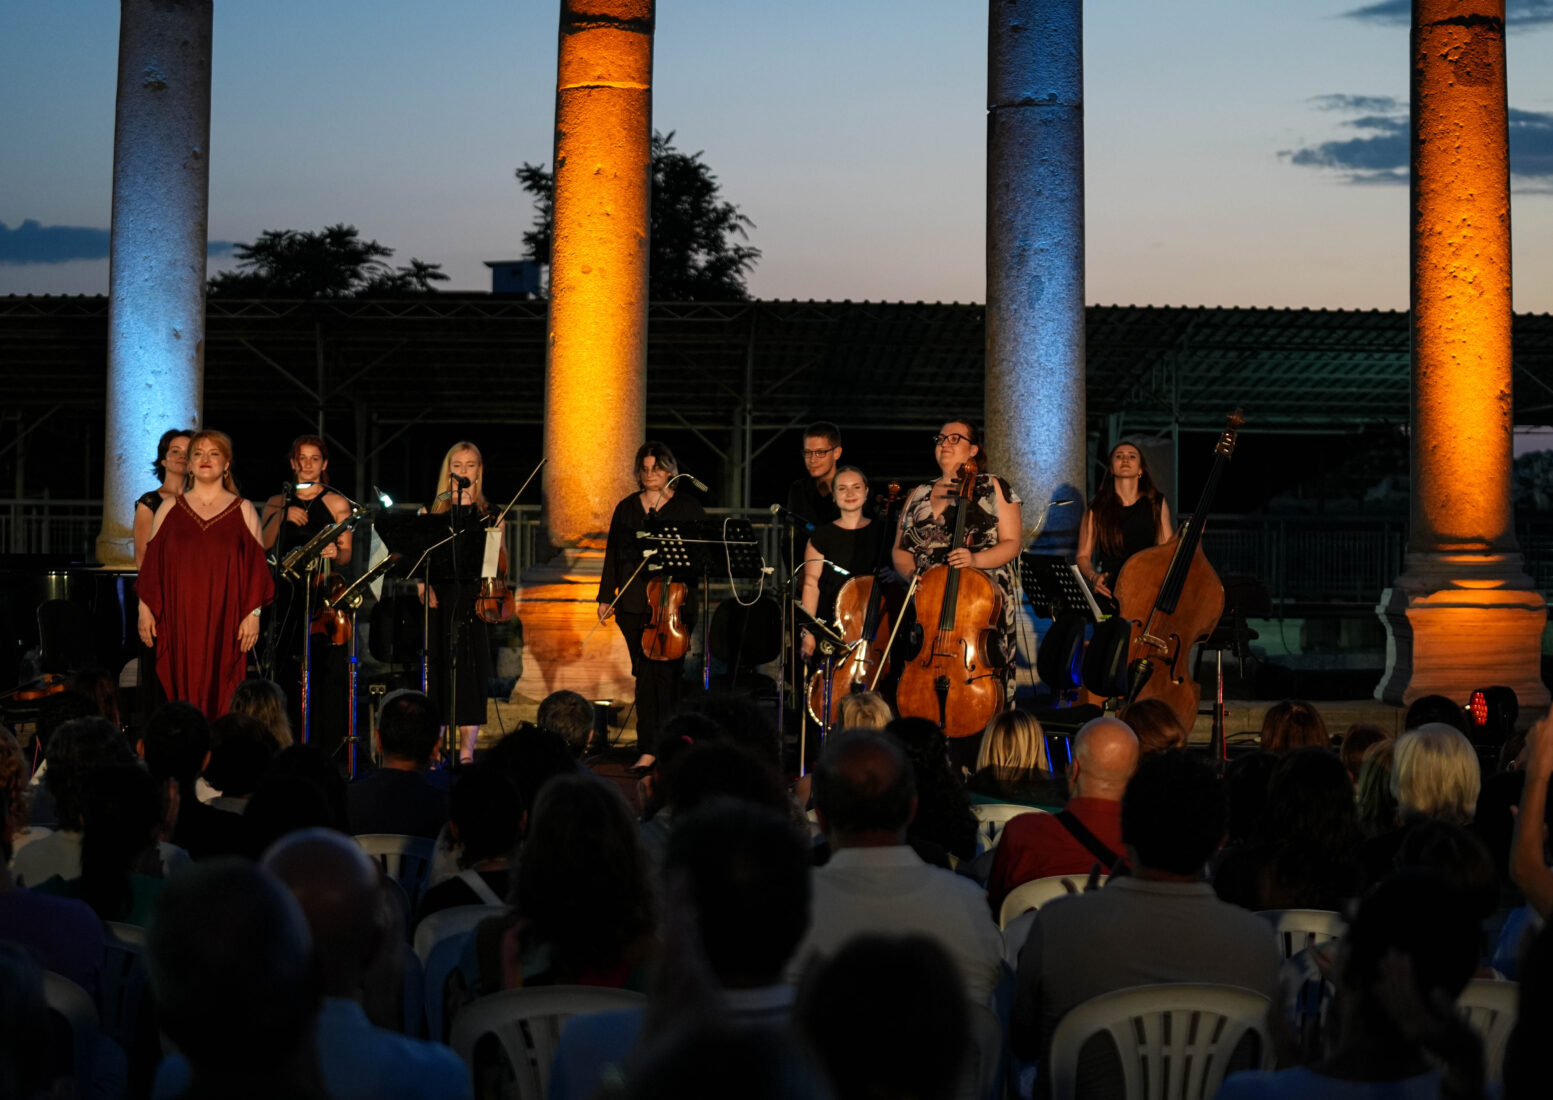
point(44, 525)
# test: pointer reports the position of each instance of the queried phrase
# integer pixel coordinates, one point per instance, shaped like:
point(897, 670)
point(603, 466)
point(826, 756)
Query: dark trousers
point(659, 684)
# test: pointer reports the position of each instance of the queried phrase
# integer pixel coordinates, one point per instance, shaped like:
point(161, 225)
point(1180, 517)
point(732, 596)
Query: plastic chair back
point(527, 1024)
point(1037, 892)
point(1301, 928)
point(443, 958)
point(124, 980)
point(1015, 933)
point(405, 859)
point(984, 1061)
point(993, 816)
point(75, 1005)
point(1174, 1041)
point(1491, 1007)
point(448, 922)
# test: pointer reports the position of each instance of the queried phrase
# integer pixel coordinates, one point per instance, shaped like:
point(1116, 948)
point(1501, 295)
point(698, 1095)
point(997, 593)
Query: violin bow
point(503, 513)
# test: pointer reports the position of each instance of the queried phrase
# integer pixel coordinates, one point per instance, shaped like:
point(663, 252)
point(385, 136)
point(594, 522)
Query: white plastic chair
point(993, 816)
point(441, 960)
point(527, 1023)
point(124, 980)
point(1491, 1007)
point(405, 859)
point(449, 922)
point(1015, 933)
point(1037, 892)
point(1301, 928)
point(979, 1076)
point(75, 1004)
point(1307, 995)
point(1174, 1041)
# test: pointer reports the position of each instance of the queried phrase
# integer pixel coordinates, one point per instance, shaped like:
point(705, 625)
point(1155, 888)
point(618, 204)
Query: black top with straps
point(1140, 530)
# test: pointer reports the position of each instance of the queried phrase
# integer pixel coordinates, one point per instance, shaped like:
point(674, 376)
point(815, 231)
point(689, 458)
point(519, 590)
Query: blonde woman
point(264, 700)
point(864, 710)
point(1013, 763)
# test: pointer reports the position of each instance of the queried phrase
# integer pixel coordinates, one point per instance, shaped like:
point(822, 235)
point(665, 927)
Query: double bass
point(955, 679)
point(864, 611)
point(1172, 599)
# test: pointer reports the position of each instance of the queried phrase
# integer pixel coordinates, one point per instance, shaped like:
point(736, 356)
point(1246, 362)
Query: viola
point(955, 679)
point(666, 637)
point(1172, 599)
point(495, 602)
point(329, 620)
point(865, 608)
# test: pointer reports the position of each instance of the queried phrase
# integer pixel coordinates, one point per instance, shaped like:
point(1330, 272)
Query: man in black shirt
point(398, 797)
point(810, 496)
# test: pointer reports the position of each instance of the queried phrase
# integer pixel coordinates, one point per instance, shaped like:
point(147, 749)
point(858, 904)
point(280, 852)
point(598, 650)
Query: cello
point(955, 679)
point(864, 612)
point(1172, 599)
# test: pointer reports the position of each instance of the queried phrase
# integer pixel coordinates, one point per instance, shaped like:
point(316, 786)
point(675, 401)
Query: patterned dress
point(927, 537)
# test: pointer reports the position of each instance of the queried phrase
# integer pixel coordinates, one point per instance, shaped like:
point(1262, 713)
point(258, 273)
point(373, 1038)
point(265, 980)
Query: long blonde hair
point(440, 503)
point(1013, 742)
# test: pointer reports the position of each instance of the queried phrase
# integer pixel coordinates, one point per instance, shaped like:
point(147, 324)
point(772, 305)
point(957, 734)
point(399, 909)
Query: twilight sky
point(1237, 153)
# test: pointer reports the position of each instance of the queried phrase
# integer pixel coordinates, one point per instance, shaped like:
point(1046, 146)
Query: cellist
point(658, 683)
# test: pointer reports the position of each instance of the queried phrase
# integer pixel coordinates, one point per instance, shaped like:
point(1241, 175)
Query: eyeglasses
point(954, 439)
point(818, 453)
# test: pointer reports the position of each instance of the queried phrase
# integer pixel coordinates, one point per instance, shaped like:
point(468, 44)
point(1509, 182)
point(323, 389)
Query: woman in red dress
point(204, 581)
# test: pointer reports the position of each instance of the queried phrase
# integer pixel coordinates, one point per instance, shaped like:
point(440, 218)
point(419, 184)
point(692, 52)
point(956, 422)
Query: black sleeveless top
point(152, 500)
point(854, 549)
point(318, 517)
point(1140, 530)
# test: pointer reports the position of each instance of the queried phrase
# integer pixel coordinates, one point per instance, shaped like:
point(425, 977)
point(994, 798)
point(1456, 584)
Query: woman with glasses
point(1126, 515)
point(993, 525)
point(623, 587)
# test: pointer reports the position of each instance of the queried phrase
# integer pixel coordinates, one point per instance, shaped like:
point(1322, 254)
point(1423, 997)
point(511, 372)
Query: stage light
point(1491, 714)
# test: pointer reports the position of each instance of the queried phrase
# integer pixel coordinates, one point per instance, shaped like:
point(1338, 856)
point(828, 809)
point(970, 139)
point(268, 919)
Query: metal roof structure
point(763, 365)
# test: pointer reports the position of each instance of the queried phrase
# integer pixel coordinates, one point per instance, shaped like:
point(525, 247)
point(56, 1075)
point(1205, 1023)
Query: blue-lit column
point(156, 308)
point(1035, 257)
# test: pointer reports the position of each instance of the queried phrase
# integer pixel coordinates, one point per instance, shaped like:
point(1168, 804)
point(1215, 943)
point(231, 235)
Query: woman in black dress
point(658, 683)
point(461, 497)
point(851, 543)
point(1127, 515)
point(172, 466)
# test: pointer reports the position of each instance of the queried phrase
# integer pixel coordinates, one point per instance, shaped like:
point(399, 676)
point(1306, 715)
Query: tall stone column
point(1463, 614)
point(596, 369)
point(156, 295)
point(1035, 258)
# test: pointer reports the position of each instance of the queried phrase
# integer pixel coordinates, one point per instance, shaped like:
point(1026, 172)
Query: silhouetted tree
point(692, 254)
point(332, 263)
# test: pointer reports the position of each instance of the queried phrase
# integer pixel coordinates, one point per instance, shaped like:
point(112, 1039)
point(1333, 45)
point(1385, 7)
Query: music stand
point(1054, 586)
point(351, 599)
point(298, 567)
point(829, 645)
point(728, 546)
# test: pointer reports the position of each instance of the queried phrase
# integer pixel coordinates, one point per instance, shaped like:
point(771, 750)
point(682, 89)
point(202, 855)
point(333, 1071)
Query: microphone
point(791, 516)
point(697, 482)
point(304, 484)
point(460, 480)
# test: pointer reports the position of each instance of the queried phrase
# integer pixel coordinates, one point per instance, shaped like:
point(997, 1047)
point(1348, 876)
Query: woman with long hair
point(171, 468)
point(851, 544)
point(204, 581)
point(1127, 515)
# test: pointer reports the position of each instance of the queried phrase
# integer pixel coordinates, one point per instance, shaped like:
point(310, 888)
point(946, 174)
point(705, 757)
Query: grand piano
point(58, 615)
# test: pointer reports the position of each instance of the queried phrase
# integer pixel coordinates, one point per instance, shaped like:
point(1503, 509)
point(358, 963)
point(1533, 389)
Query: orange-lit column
point(1463, 614)
point(596, 368)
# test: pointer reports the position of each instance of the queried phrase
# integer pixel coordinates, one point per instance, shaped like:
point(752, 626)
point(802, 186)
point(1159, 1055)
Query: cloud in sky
point(1518, 13)
point(1380, 153)
point(32, 243)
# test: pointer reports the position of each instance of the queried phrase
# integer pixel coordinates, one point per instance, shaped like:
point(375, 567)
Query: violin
point(1171, 599)
point(495, 602)
point(666, 637)
point(955, 679)
point(50, 683)
point(865, 608)
point(333, 623)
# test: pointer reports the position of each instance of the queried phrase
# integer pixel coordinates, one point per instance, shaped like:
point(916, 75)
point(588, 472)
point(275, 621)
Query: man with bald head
point(1089, 829)
point(865, 796)
point(336, 886)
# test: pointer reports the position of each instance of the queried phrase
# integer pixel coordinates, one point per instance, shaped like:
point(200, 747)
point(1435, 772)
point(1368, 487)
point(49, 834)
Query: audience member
point(234, 981)
point(1434, 775)
point(75, 746)
point(943, 825)
point(1356, 742)
point(570, 715)
point(98, 685)
point(485, 827)
point(64, 935)
point(1408, 953)
point(1293, 724)
point(1528, 854)
point(888, 1019)
point(266, 701)
point(399, 797)
point(1013, 764)
point(1088, 832)
point(680, 733)
point(14, 775)
point(1245, 794)
point(1459, 858)
point(1160, 924)
point(310, 763)
point(739, 719)
point(1372, 794)
point(241, 748)
point(1435, 708)
point(1156, 724)
point(1525, 1058)
point(282, 804)
point(175, 747)
point(29, 1062)
point(865, 797)
point(532, 756)
point(713, 1058)
point(700, 773)
point(864, 710)
point(1305, 852)
point(122, 815)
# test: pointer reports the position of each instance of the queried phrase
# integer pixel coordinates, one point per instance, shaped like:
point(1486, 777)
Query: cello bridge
point(1154, 643)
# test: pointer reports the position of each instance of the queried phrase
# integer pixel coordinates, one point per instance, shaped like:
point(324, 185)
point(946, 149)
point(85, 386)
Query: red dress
point(200, 578)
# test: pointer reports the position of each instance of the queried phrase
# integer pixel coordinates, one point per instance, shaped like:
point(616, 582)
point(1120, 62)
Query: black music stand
point(351, 599)
point(829, 645)
point(1056, 590)
point(725, 546)
point(298, 566)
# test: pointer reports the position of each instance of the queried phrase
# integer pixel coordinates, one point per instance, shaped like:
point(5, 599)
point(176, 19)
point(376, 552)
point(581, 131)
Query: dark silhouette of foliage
point(332, 263)
point(692, 254)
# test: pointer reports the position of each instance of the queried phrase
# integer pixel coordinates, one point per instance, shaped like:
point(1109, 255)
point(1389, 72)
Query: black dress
point(1140, 530)
point(854, 549)
point(455, 615)
point(658, 683)
point(149, 695)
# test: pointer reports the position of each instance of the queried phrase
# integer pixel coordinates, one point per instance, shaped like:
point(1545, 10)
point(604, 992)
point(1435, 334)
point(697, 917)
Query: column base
point(557, 608)
point(1457, 622)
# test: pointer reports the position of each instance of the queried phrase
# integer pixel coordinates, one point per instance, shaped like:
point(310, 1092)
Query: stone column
point(1035, 258)
point(596, 370)
point(156, 296)
point(1463, 614)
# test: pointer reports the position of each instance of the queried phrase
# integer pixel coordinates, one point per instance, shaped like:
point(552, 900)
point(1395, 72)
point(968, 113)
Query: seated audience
point(1160, 924)
point(1088, 832)
point(266, 701)
point(1528, 855)
point(485, 827)
point(570, 715)
point(15, 786)
point(1156, 724)
point(1525, 1058)
point(1356, 742)
point(1372, 794)
point(175, 747)
point(865, 797)
point(532, 756)
point(1435, 708)
point(1245, 794)
point(241, 749)
point(943, 826)
point(1434, 775)
point(1013, 764)
point(864, 710)
point(1459, 858)
point(75, 747)
point(64, 935)
point(1409, 951)
point(98, 685)
point(1293, 724)
point(399, 797)
point(710, 1057)
point(122, 815)
point(336, 886)
point(1305, 852)
point(887, 1018)
point(301, 789)
point(31, 1065)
